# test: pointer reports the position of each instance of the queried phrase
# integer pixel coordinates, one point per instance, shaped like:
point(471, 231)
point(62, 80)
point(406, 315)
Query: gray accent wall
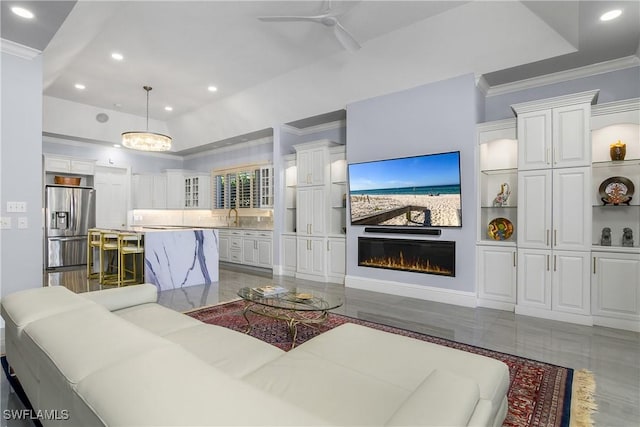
point(433, 118)
point(21, 172)
point(614, 86)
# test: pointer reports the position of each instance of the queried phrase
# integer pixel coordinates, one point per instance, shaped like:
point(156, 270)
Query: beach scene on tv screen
point(421, 191)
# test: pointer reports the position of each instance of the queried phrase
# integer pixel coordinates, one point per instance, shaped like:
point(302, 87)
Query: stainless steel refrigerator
point(69, 213)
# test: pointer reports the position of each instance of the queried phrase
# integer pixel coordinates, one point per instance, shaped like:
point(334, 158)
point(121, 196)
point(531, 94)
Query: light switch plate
point(23, 222)
point(5, 222)
point(21, 206)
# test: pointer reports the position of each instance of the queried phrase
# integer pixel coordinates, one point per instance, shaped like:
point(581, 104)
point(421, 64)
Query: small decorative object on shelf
point(502, 197)
point(627, 237)
point(500, 229)
point(616, 190)
point(618, 150)
point(605, 239)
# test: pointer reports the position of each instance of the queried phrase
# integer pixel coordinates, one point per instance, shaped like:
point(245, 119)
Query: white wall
point(438, 117)
point(21, 172)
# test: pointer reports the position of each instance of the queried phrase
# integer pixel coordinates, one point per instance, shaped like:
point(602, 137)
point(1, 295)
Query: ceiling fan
point(329, 18)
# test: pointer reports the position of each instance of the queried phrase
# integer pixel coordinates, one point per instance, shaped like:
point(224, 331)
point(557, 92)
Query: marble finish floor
point(612, 355)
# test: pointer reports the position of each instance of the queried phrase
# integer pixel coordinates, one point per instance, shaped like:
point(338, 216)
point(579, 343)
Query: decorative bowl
point(66, 180)
point(500, 229)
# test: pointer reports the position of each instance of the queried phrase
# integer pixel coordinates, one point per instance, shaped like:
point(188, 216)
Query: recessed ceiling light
point(22, 12)
point(80, 86)
point(168, 108)
point(612, 14)
point(117, 56)
point(116, 145)
point(212, 88)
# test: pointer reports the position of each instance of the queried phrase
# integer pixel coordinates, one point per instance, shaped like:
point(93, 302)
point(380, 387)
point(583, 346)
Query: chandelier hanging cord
point(148, 89)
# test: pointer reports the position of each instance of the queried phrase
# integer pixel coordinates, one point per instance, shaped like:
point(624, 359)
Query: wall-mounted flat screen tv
point(419, 191)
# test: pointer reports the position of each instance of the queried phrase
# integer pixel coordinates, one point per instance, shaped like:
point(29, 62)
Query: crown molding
point(616, 107)
point(314, 129)
point(19, 50)
point(482, 85)
point(588, 97)
point(497, 125)
point(230, 147)
point(563, 76)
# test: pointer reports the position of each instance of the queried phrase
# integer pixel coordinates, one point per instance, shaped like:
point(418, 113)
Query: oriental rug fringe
point(540, 394)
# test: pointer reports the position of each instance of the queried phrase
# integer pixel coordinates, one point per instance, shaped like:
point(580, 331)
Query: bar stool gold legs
point(93, 245)
point(109, 248)
point(130, 244)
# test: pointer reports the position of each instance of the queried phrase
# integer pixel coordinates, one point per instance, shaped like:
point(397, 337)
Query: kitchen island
point(177, 257)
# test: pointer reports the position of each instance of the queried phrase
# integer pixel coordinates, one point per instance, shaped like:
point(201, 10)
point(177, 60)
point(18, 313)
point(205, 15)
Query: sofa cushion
point(442, 399)
point(81, 341)
point(21, 308)
point(157, 319)
point(171, 387)
point(234, 353)
point(406, 362)
point(119, 298)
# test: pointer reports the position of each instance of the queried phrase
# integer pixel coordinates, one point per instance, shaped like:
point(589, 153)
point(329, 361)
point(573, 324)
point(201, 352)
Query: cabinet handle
point(308, 245)
point(594, 265)
point(547, 237)
point(547, 262)
point(555, 155)
point(514, 259)
point(546, 155)
point(255, 244)
point(555, 263)
point(327, 246)
point(555, 237)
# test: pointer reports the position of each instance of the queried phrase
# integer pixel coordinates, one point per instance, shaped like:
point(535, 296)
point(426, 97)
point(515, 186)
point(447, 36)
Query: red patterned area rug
point(540, 394)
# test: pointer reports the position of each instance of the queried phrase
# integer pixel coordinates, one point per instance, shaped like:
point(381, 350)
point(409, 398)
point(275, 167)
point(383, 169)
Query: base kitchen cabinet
point(616, 290)
point(256, 248)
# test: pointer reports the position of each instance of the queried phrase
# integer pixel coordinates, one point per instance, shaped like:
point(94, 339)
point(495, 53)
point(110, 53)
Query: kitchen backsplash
point(198, 218)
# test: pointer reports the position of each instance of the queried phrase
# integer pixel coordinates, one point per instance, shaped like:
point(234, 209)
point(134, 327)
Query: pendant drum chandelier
point(146, 141)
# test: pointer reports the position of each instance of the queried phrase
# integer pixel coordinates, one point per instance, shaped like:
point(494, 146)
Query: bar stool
point(109, 247)
point(129, 244)
point(93, 244)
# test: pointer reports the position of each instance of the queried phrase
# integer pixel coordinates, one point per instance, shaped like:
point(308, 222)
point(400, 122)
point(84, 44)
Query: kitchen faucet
point(235, 221)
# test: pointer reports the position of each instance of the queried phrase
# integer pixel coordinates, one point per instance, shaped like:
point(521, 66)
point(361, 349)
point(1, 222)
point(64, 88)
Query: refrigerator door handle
point(67, 239)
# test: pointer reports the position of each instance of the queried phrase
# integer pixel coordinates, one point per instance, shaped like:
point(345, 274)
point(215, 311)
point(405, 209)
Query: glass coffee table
point(292, 307)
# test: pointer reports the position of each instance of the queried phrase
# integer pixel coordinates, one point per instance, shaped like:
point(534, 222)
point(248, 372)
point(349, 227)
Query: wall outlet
point(23, 222)
point(5, 223)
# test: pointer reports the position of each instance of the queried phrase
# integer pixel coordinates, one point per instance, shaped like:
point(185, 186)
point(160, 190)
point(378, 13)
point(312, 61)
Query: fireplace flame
point(400, 263)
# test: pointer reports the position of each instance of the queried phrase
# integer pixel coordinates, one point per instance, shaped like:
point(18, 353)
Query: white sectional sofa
point(117, 358)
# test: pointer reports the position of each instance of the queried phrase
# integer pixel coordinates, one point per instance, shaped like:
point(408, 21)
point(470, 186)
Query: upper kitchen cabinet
point(69, 165)
point(555, 133)
point(196, 191)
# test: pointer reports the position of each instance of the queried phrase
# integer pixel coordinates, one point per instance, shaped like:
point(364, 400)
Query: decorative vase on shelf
point(618, 150)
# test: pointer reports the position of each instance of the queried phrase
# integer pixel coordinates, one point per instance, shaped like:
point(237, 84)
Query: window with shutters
point(243, 187)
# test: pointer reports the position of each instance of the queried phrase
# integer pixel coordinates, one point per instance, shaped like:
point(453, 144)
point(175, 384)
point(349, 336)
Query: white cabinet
point(312, 162)
point(257, 248)
point(69, 165)
point(314, 193)
point(555, 132)
point(149, 191)
point(175, 188)
point(616, 289)
point(289, 254)
point(196, 191)
point(311, 210)
point(247, 247)
point(223, 245)
point(336, 259)
point(555, 209)
point(266, 187)
point(311, 260)
point(497, 276)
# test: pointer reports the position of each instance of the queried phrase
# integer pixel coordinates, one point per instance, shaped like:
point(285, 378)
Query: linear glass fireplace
point(420, 256)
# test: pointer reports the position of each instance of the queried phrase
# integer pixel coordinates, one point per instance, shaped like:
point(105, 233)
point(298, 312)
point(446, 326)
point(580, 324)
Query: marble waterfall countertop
point(177, 257)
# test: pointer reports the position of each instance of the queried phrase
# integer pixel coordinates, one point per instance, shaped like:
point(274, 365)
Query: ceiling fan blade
point(345, 38)
point(291, 18)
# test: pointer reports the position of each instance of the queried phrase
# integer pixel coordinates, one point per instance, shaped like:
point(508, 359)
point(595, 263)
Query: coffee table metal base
point(293, 318)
